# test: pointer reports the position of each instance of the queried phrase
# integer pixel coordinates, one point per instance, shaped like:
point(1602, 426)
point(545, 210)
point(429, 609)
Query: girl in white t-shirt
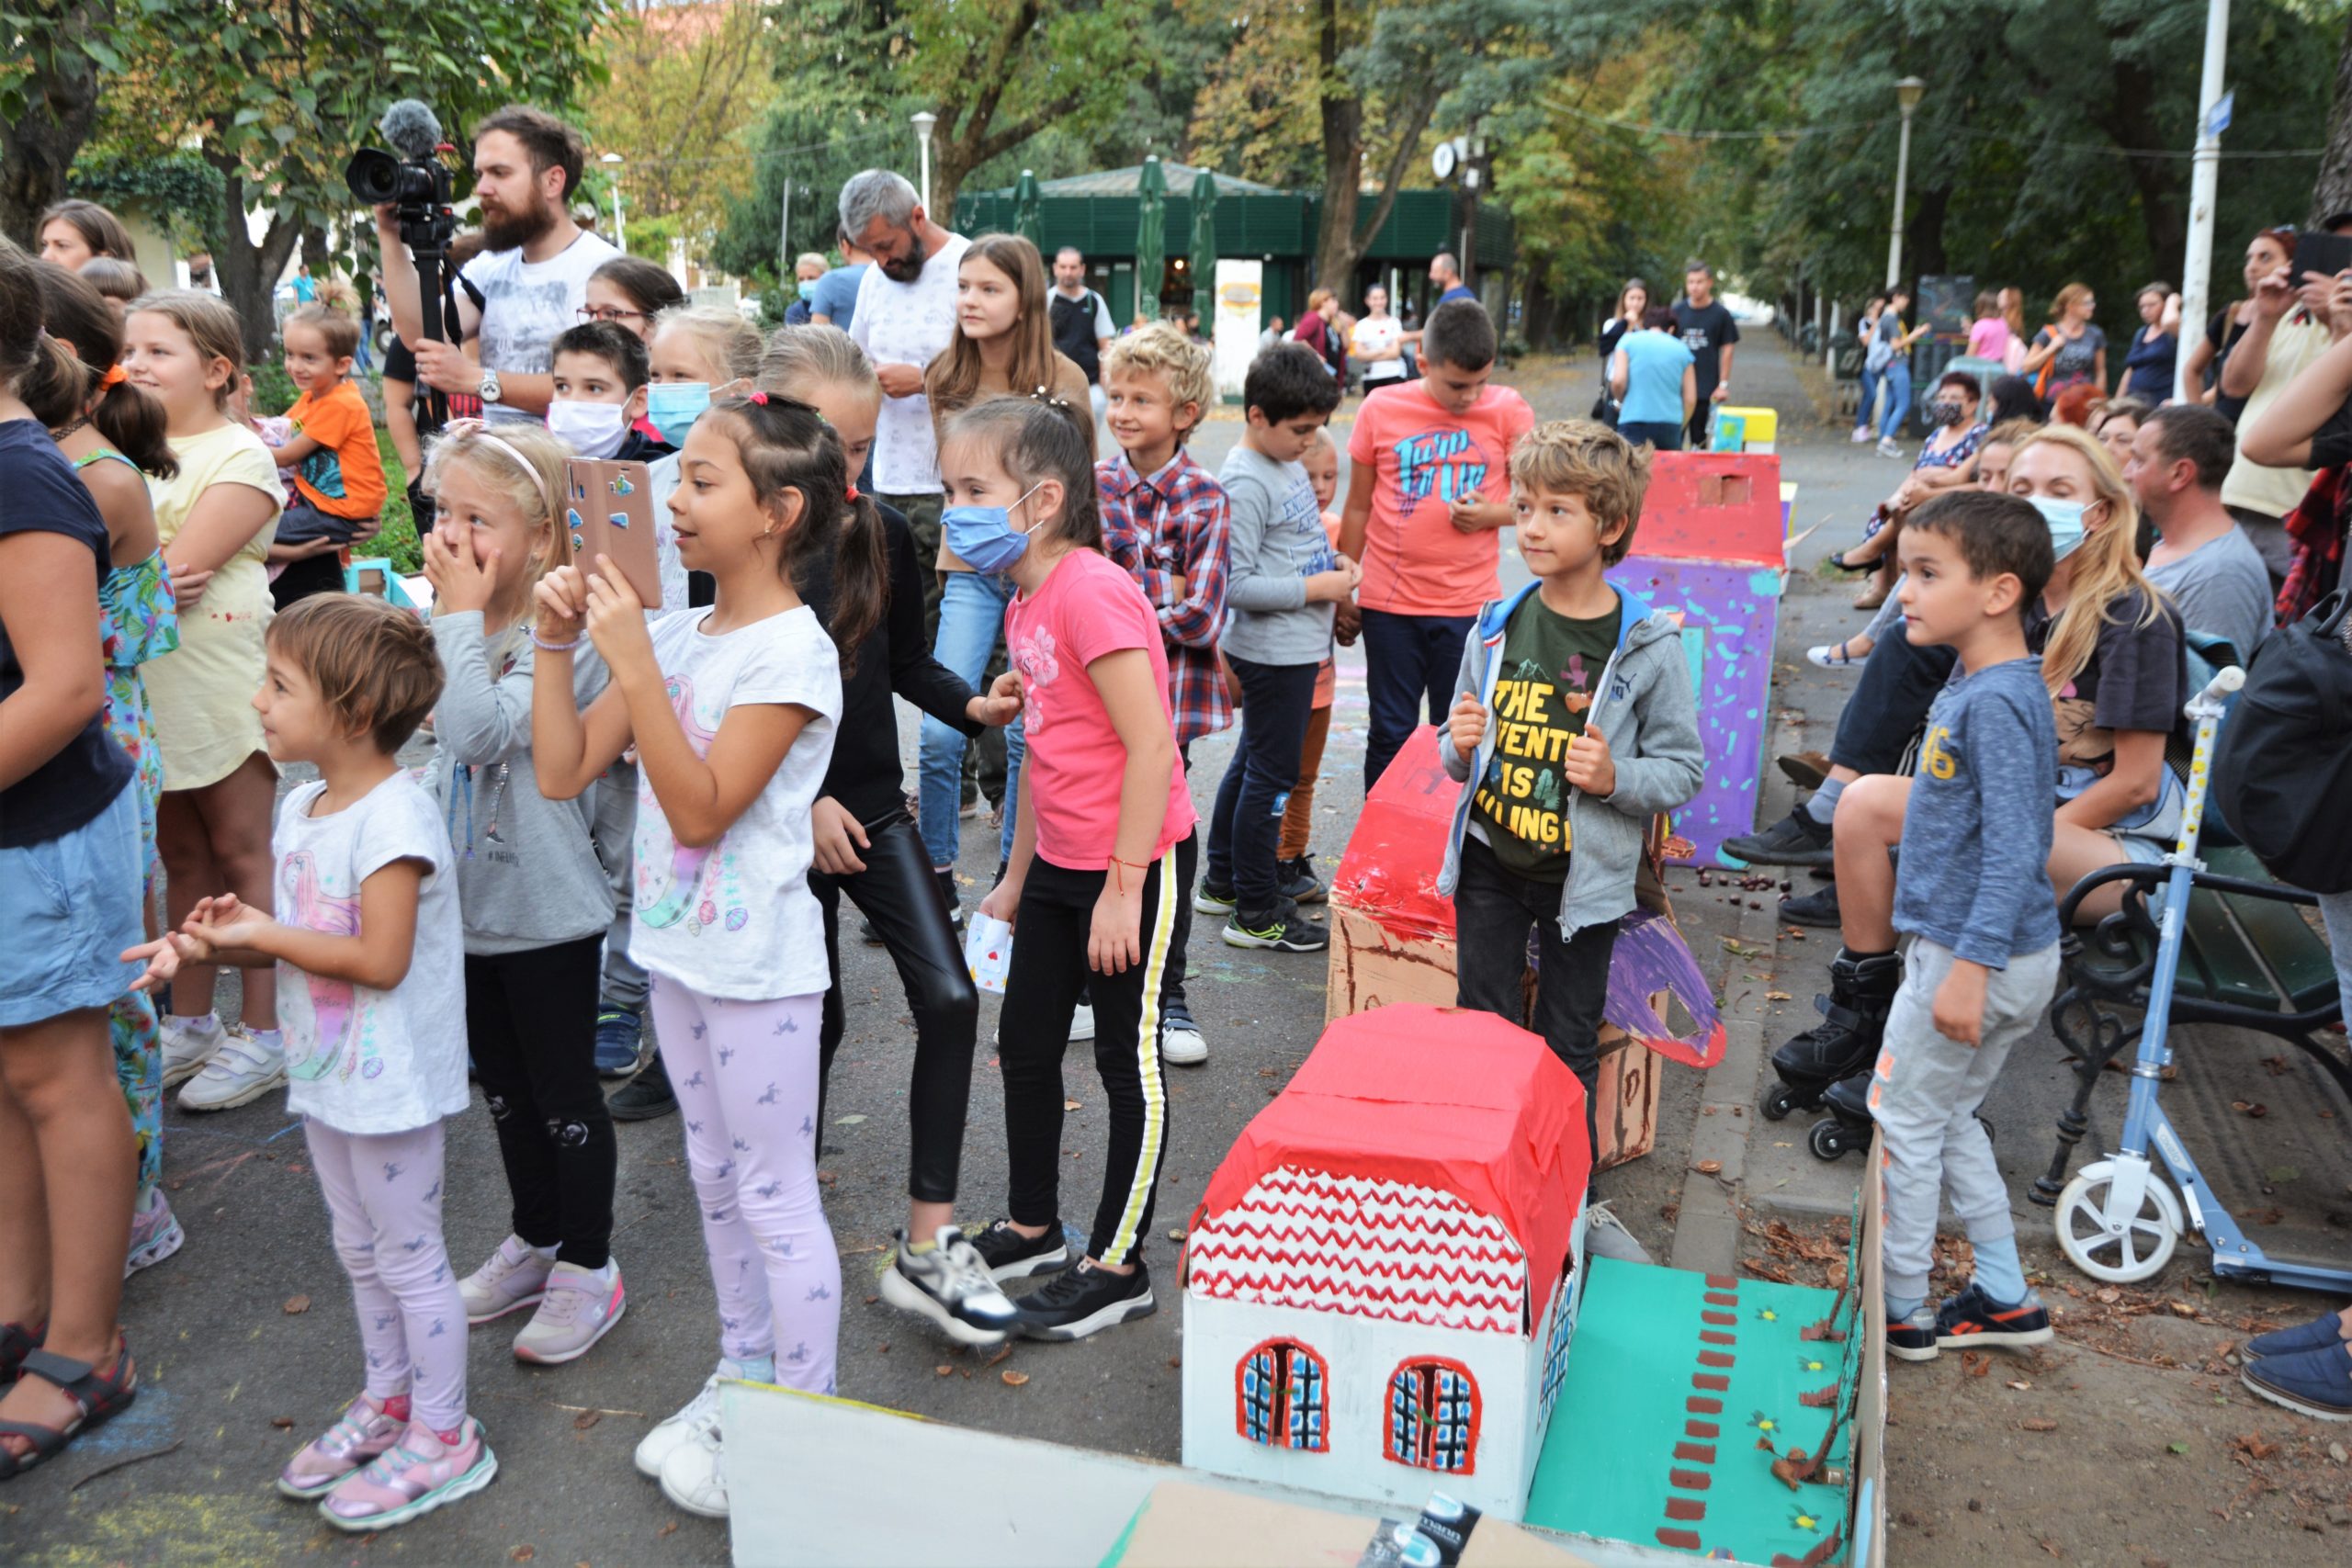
point(732, 712)
point(375, 1038)
point(215, 518)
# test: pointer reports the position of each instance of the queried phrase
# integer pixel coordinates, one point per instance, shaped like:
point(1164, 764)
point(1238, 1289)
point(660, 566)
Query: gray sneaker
point(950, 1284)
point(510, 1279)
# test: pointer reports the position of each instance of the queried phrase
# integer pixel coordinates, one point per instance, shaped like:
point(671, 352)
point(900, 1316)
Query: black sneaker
point(1086, 1301)
point(1296, 880)
point(1209, 899)
point(1913, 1338)
point(1817, 908)
point(867, 934)
point(1795, 839)
point(645, 1097)
point(1283, 929)
point(1973, 1318)
point(1011, 1256)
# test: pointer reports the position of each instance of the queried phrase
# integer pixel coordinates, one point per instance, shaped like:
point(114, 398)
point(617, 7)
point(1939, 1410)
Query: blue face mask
point(982, 536)
point(673, 406)
point(2065, 519)
point(808, 287)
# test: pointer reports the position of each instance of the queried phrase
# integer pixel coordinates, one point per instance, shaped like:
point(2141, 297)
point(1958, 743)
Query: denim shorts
point(69, 907)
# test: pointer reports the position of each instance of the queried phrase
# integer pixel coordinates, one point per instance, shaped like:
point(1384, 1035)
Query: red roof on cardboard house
point(1425, 1165)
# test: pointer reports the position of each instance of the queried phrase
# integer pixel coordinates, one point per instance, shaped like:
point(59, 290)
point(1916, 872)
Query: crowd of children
point(636, 815)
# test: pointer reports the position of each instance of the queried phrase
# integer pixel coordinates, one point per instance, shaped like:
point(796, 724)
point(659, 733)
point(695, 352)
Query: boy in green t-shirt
point(1576, 726)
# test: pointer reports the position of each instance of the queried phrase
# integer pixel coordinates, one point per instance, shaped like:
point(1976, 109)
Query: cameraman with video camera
point(532, 276)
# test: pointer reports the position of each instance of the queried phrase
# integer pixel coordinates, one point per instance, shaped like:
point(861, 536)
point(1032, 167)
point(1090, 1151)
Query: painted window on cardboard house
point(1433, 1417)
point(1279, 1389)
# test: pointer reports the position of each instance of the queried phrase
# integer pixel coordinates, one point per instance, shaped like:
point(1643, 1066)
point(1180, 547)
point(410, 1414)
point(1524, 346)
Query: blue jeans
point(1246, 825)
point(1869, 395)
point(1898, 400)
point(1407, 658)
point(1664, 437)
point(971, 619)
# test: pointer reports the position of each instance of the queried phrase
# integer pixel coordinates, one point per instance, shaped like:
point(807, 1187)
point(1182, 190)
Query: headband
point(481, 431)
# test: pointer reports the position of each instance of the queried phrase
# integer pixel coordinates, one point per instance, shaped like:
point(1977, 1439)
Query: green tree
point(269, 90)
point(684, 87)
point(49, 100)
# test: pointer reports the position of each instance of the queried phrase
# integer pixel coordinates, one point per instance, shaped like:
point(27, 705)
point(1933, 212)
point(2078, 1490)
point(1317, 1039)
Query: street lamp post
point(621, 228)
point(2204, 181)
point(1907, 94)
point(923, 122)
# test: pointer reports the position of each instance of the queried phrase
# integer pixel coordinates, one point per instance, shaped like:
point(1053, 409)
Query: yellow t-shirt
point(203, 693)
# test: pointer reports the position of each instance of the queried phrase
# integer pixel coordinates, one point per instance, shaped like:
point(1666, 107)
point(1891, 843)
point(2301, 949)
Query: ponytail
point(130, 418)
point(860, 569)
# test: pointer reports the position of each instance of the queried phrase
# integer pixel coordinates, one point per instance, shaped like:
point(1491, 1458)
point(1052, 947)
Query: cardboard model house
point(1379, 1288)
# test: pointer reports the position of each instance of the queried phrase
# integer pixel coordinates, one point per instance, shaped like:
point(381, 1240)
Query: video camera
point(420, 186)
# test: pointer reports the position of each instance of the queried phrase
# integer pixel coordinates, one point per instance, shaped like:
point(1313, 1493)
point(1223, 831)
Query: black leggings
point(1041, 991)
point(899, 892)
point(531, 1022)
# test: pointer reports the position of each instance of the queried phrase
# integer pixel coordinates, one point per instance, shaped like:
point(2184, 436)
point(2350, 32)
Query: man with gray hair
point(904, 317)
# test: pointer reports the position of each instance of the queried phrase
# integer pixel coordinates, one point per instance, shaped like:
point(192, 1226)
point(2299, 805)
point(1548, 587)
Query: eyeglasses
point(606, 313)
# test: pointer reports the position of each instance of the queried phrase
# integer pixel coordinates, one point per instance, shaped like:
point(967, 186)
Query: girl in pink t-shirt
point(1988, 337)
point(1101, 851)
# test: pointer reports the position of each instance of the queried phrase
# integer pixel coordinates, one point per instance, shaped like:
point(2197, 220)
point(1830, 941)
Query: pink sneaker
point(361, 1433)
point(412, 1477)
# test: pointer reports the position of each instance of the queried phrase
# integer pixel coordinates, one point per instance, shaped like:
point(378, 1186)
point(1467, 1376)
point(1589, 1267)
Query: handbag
point(2282, 772)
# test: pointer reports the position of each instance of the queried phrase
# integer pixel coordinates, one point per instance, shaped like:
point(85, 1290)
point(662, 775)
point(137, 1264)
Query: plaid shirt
point(1166, 530)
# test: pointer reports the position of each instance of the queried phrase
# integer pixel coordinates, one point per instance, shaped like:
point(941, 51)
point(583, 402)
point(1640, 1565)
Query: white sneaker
point(695, 1477)
point(1890, 448)
point(1862, 435)
point(514, 1276)
point(579, 1305)
point(1181, 1045)
point(949, 1284)
point(240, 1072)
point(186, 1049)
point(1081, 1022)
point(700, 1417)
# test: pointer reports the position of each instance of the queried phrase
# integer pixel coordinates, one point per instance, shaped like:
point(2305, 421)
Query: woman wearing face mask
point(2112, 657)
point(2265, 254)
point(1952, 411)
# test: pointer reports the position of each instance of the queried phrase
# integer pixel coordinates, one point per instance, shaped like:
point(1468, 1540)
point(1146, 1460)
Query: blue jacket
point(1643, 703)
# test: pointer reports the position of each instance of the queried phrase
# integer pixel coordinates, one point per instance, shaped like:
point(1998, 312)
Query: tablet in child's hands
point(608, 510)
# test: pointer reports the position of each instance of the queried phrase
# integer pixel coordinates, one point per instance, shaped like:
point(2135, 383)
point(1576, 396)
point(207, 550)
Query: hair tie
point(852, 496)
point(760, 398)
point(114, 376)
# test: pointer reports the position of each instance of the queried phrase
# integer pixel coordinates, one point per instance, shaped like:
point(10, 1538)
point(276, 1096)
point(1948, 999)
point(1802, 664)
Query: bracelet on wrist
point(544, 646)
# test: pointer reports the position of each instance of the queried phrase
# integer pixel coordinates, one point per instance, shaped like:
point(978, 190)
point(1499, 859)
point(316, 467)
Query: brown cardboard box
point(1183, 1524)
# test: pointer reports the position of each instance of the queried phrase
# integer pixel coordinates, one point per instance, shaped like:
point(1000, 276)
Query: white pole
point(783, 233)
point(2204, 179)
point(1894, 223)
point(620, 227)
point(1830, 344)
point(924, 121)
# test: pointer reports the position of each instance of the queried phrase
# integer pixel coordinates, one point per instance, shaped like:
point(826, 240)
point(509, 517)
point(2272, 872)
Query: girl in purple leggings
point(732, 711)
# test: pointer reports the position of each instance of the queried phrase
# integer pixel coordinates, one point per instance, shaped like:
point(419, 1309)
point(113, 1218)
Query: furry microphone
point(413, 129)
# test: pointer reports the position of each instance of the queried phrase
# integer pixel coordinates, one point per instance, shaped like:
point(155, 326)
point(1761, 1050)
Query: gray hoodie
point(528, 873)
point(1643, 703)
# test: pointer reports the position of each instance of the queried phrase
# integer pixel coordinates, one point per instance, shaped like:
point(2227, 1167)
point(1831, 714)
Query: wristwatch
point(490, 387)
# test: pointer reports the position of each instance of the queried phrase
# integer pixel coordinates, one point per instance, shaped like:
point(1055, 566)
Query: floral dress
point(139, 621)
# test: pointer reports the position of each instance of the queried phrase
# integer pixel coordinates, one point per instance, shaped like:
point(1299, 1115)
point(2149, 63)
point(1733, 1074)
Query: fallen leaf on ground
point(1013, 1379)
point(1778, 996)
point(2020, 1384)
point(669, 1529)
point(2175, 1448)
point(1000, 1356)
point(524, 1553)
point(850, 1120)
point(296, 1306)
point(586, 1419)
point(1070, 1105)
point(944, 1370)
point(2039, 1424)
point(1709, 1166)
point(281, 1422)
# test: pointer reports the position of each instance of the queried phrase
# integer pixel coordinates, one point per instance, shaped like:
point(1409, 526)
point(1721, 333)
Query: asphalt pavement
point(247, 1346)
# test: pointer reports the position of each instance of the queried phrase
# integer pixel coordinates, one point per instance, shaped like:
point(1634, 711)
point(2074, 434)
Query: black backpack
point(2282, 771)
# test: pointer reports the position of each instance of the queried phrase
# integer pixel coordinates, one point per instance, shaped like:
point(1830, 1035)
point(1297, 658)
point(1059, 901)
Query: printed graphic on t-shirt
point(1448, 464)
point(1039, 662)
point(322, 471)
point(1937, 758)
point(696, 885)
point(337, 1042)
point(1550, 666)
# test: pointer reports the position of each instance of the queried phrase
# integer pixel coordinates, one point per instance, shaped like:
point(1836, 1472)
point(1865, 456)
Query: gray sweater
point(528, 873)
point(1275, 542)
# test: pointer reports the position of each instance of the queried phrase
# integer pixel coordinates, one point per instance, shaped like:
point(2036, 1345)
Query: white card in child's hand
point(988, 951)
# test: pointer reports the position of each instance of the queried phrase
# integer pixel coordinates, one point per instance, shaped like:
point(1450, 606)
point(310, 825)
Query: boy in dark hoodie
point(1576, 725)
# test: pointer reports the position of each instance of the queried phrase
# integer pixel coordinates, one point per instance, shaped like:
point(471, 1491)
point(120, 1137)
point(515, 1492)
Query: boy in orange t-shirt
point(331, 458)
point(1427, 488)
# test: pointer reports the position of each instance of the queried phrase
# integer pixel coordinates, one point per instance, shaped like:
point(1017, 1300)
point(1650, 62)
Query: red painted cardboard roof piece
point(1459, 1102)
point(1723, 506)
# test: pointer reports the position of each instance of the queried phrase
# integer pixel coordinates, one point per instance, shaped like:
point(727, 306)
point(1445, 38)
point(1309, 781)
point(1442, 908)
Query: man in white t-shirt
point(532, 273)
point(1377, 342)
point(905, 317)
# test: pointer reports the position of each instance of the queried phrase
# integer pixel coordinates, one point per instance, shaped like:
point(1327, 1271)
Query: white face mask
point(593, 430)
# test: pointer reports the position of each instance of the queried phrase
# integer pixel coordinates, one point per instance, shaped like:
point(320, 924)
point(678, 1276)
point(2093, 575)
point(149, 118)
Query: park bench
point(2251, 958)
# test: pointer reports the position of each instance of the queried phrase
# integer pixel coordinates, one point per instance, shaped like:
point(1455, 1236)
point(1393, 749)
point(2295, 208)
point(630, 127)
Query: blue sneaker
point(2317, 1335)
point(2317, 1384)
point(620, 1043)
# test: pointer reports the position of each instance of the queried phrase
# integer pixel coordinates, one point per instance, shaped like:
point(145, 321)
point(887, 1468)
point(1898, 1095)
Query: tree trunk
point(1542, 312)
point(2332, 193)
point(2164, 216)
point(1336, 250)
point(248, 272)
point(1925, 243)
point(37, 150)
